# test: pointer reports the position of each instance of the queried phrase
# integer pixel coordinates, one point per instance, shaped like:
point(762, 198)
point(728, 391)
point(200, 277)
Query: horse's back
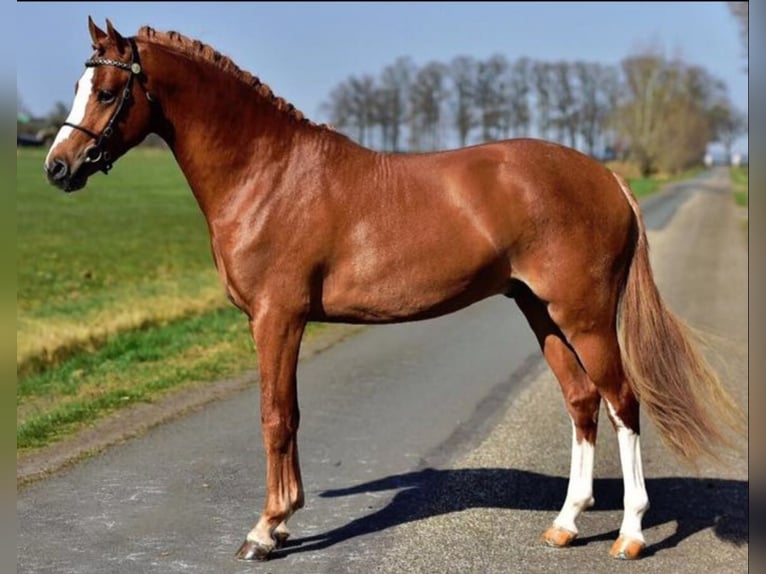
point(528, 193)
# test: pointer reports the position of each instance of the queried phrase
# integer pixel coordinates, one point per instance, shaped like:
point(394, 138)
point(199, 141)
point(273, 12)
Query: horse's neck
point(223, 135)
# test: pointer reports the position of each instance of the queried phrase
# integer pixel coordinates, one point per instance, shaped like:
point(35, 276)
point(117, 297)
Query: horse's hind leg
point(599, 352)
point(582, 402)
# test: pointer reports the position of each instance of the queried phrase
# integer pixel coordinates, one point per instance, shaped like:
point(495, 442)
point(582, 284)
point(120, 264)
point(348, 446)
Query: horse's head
point(111, 113)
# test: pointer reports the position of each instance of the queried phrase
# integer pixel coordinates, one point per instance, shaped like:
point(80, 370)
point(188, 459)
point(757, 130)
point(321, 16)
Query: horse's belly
point(410, 294)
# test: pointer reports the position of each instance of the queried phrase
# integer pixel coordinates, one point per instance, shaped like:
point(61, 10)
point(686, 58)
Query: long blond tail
point(679, 391)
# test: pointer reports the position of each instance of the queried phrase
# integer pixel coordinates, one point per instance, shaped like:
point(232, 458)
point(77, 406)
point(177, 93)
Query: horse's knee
point(279, 431)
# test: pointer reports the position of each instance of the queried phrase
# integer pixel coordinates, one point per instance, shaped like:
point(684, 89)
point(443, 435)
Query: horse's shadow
point(694, 504)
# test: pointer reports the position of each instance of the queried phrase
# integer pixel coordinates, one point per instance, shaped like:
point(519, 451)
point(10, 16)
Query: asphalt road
point(440, 446)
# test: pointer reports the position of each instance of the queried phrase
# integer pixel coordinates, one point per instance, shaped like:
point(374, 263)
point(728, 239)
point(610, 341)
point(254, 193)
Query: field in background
point(118, 298)
point(130, 250)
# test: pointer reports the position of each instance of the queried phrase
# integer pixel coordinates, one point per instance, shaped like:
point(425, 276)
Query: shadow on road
point(694, 504)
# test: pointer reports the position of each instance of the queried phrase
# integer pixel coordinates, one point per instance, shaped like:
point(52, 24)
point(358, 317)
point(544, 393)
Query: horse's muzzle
point(62, 176)
point(57, 171)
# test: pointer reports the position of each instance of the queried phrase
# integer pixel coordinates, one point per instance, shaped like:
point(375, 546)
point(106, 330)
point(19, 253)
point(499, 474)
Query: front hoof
point(280, 538)
point(557, 537)
point(626, 548)
point(254, 551)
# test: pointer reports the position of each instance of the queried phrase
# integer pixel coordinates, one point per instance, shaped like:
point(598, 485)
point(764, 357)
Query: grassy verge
point(739, 181)
point(138, 365)
point(118, 299)
point(135, 366)
point(643, 186)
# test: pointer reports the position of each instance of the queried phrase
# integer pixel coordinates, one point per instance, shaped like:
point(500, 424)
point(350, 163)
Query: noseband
point(97, 153)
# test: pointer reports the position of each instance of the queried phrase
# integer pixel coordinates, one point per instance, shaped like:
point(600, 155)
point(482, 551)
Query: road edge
point(137, 420)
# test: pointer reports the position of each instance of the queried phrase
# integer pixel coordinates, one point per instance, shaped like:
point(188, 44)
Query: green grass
point(130, 248)
point(643, 186)
point(133, 366)
point(118, 299)
point(739, 180)
point(136, 366)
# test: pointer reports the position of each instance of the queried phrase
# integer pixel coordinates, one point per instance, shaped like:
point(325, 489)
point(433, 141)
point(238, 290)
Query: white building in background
point(736, 159)
point(708, 159)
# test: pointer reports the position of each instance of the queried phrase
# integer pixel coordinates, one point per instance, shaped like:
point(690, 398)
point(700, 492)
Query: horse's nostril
point(58, 170)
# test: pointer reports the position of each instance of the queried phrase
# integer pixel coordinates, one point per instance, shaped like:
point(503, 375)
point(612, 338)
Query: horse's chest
point(231, 271)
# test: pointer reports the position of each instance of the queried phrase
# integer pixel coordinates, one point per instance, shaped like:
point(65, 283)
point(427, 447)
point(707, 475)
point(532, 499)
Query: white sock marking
point(580, 490)
point(636, 501)
point(77, 113)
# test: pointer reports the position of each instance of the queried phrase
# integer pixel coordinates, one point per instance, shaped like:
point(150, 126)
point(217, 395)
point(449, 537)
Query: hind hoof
point(557, 537)
point(254, 551)
point(625, 548)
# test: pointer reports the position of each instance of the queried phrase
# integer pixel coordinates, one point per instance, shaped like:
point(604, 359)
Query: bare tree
point(426, 102)
point(666, 115)
point(659, 113)
point(598, 89)
point(520, 87)
point(490, 98)
point(462, 72)
point(363, 106)
point(640, 117)
point(727, 124)
point(611, 88)
point(684, 129)
point(338, 106)
point(564, 102)
point(352, 106)
point(395, 84)
point(541, 74)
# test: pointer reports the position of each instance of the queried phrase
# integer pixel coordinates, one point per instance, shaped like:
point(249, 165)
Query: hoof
point(626, 548)
point(254, 551)
point(280, 538)
point(557, 537)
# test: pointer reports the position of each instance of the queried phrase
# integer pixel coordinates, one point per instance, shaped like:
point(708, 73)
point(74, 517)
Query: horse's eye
point(105, 96)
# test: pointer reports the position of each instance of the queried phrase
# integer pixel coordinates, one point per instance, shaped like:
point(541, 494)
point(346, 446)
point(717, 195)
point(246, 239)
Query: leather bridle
point(97, 153)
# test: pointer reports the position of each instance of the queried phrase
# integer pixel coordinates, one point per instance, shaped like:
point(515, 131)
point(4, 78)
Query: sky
point(303, 50)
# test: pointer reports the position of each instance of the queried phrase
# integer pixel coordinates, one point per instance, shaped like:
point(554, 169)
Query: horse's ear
point(115, 36)
point(96, 33)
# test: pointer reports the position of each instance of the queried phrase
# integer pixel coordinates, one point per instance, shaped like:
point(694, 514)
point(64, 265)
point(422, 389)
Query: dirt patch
point(136, 420)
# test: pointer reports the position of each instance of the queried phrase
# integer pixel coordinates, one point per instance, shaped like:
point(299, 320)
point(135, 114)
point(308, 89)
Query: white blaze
point(77, 114)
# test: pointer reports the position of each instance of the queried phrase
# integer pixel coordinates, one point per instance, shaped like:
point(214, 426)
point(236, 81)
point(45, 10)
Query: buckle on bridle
point(93, 154)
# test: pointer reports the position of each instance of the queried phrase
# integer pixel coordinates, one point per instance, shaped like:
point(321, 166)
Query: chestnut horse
point(306, 225)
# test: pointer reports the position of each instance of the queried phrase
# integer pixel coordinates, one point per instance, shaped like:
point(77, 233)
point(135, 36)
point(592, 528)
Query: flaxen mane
point(197, 49)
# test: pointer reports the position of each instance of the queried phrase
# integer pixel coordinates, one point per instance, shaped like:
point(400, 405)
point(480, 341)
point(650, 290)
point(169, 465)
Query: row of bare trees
point(658, 112)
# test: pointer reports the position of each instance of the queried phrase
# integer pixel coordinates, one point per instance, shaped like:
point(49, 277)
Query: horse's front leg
point(277, 335)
